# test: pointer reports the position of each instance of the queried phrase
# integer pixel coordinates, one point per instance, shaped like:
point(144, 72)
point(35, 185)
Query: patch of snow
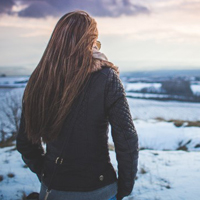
point(195, 89)
point(139, 85)
point(23, 180)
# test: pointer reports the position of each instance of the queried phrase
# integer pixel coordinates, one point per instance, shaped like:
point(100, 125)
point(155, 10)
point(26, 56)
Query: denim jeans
point(106, 193)
point(114, 198)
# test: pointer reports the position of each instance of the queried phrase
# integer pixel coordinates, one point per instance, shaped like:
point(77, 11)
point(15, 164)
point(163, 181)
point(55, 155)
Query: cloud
point(38, 10)
point(6, 6)
point(99, 8)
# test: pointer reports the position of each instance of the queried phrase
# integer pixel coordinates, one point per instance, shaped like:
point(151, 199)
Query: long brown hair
point(56, 81)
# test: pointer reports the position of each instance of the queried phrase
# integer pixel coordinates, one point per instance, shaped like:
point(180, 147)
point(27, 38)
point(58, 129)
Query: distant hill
point(162, 73)
point(26, 71)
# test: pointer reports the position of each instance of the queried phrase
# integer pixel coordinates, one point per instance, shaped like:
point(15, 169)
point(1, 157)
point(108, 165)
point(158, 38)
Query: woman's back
point(85, 162)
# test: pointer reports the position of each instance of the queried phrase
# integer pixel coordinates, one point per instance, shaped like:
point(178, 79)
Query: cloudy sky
point(135, 35)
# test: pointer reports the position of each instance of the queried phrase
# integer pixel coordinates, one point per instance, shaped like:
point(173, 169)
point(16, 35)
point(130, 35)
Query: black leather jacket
point(85, 162)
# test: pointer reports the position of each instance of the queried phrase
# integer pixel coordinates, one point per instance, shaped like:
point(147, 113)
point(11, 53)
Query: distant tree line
point(177, 87)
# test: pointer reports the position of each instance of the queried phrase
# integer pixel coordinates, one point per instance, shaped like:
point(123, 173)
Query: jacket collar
point(100, 60)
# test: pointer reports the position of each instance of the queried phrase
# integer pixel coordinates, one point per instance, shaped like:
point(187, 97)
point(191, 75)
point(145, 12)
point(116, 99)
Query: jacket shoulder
point(107, 71)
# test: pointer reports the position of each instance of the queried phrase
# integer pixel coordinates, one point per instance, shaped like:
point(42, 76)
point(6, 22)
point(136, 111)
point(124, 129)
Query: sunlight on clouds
point(18, 7)
point(173, 26)
point(34, 27)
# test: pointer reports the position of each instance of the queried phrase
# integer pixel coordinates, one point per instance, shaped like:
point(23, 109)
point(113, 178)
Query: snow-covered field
point(163, 172)
point(149, 109)
point(166, 175)
point(165, 135)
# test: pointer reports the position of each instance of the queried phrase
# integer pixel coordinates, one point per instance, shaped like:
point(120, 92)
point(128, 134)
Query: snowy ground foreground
point(166, 175)
point(162, 175)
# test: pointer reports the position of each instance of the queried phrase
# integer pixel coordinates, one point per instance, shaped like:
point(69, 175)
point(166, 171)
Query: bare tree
point(10, 111)
point(2, 132)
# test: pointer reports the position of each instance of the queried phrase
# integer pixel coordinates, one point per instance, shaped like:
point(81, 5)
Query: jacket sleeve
point(32, 154)
point(123, 133)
